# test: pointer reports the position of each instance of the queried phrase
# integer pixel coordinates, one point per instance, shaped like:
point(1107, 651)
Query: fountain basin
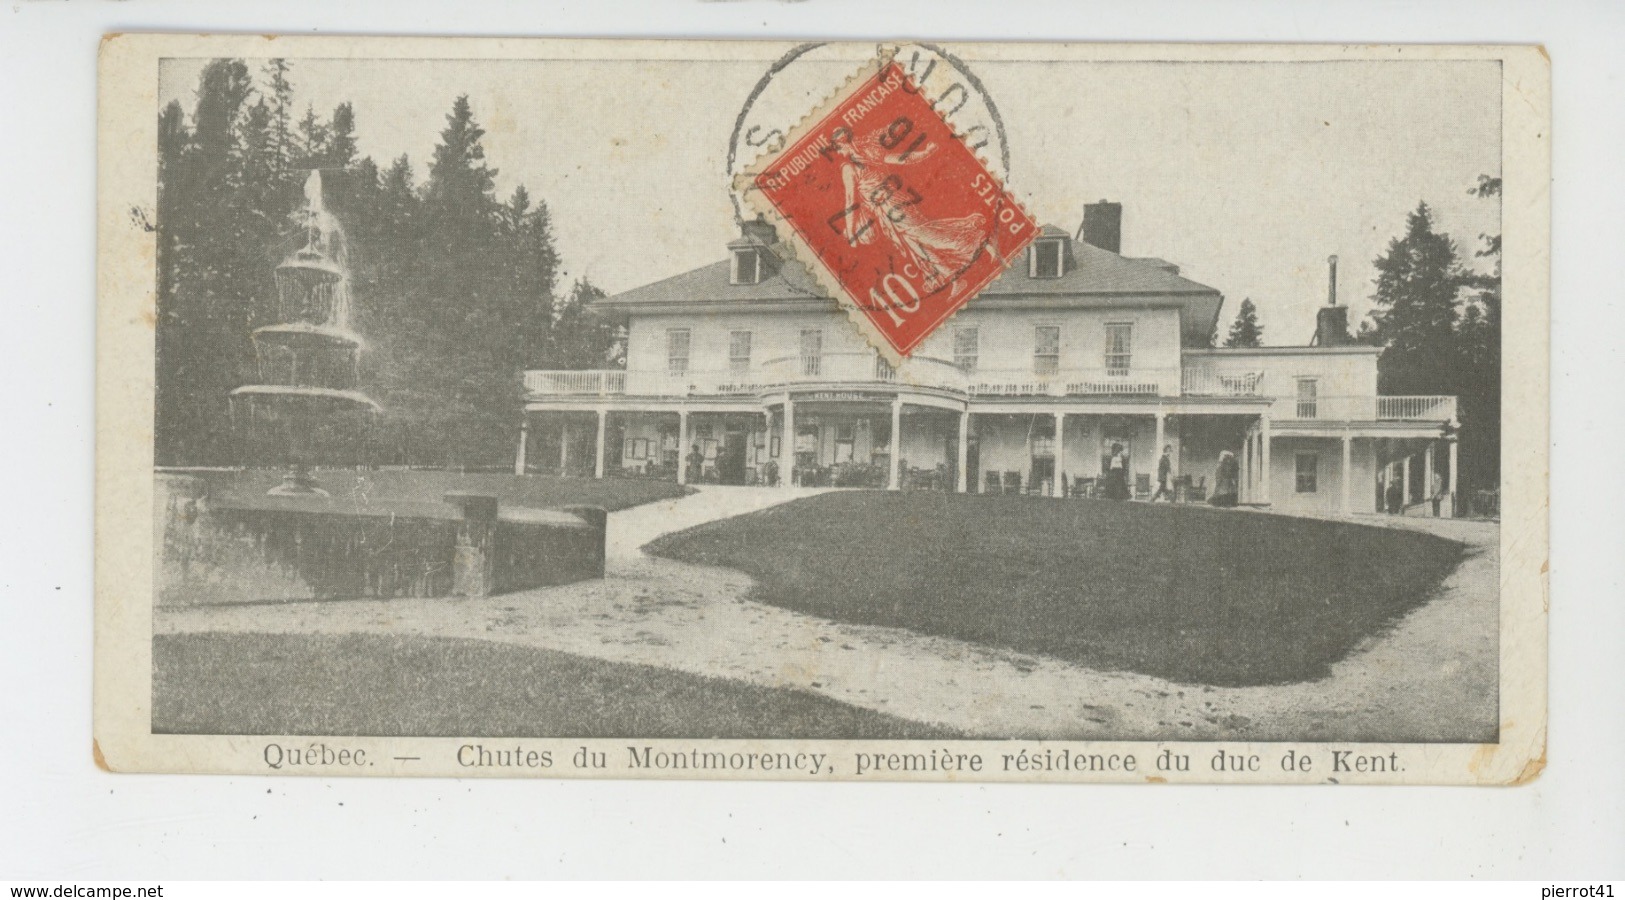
point(309, 547)
point(330, 398)
point(306, 334)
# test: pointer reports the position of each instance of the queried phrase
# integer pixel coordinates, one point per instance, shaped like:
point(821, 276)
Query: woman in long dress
point(1117, 474)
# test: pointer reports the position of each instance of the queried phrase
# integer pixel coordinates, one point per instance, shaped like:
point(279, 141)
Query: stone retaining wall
point(318, 548)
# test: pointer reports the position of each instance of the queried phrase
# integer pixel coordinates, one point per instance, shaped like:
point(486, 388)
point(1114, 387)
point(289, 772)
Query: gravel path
point(1431, 677)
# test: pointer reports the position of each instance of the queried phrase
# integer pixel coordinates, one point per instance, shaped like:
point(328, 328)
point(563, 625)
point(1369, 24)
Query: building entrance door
point(731, 461)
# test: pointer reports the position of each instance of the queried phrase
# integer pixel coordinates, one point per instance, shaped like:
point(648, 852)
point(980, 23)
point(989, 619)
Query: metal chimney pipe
point(1331, 284)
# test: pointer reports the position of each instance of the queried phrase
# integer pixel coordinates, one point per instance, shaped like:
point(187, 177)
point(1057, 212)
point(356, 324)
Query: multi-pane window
point(1308, 470)
point(746, 268)
point(967, 346)
point(738, 352)
point(1308, 398)
point(1119, 349)
point(677, 342)
point(845, 439)
point(812, 351)
point(884, 371)
point(1047, 349)
point(1046, 259)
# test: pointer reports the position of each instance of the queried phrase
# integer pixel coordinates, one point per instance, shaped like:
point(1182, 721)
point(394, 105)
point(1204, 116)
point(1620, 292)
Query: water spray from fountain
point(306, 403)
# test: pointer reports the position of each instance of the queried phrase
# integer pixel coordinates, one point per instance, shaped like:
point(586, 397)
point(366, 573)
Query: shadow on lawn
point(1189, 594)
point(444, 687)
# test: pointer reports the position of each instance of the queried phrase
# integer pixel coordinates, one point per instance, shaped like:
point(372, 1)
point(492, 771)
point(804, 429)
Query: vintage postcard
point(822, 411)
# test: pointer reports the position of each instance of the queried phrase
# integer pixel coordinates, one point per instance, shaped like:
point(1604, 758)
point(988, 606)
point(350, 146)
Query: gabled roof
point(1094, 278)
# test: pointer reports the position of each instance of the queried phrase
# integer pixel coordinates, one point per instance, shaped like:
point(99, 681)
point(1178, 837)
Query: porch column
point(1264, 459)
point(1060, 455)
point(524, 440)
point(1454, 503)
point(564, 443)
point(787, 446)
point(1178, 456)
point(682, 446)
point(1348, 473)
point(1427, 472)
point(598, 464)
point(1405, 483)
point(892, 482)
point(1245, 489)
point(964, 451)
point(1162, 422)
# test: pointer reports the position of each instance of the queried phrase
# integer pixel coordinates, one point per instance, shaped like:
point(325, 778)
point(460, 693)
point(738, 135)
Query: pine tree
point(313, 138)
point(1418, 280)
point(341, 145)
point(460, 193)
point(279, 99)
point(1245, 330)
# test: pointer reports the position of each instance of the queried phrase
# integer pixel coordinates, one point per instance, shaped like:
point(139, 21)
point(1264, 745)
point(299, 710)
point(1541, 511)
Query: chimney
point(759, 230)
point(1103, 226)
point(1332, 323)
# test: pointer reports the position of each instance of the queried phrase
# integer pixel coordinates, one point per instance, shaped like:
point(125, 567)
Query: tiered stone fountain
point(297, 541)
point(306, 408)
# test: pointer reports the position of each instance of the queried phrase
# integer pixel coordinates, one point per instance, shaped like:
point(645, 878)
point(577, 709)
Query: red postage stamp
point(890, 210)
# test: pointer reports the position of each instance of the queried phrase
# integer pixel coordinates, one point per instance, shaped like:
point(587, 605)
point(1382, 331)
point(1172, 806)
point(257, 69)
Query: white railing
point(840, 368)
point(1429, 409)
point(1072, 382)
point(1200, 382)
point(596, 382)
point(1367, 408)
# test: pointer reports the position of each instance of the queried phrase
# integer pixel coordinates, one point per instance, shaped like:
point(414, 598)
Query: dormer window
point(747, 266)
point(1047, 259)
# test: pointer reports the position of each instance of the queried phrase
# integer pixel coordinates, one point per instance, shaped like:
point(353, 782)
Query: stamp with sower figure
point(889, 209)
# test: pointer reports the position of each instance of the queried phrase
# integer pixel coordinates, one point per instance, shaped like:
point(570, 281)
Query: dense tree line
point(454, 290)
point(1440, 322)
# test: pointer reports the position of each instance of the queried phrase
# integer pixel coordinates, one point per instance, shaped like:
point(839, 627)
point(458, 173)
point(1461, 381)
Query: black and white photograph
point(493, 421)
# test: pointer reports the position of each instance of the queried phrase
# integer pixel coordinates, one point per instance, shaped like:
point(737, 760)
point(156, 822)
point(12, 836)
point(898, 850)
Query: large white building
point(1026, 389)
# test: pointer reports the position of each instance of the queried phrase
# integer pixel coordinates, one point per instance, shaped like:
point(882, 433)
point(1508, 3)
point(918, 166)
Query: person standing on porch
point(696, 463)
point(1165, 471)
point(1226, 481)
point(1117, 474)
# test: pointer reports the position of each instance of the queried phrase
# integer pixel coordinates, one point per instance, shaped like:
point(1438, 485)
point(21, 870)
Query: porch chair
point(993, 486)
point(1142, 486)
point(1012, 482)
point(1082, 488)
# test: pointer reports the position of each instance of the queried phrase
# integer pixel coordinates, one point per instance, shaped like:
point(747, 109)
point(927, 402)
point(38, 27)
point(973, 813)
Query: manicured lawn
point(1186, 593)
point(442, 687)
point(540, 491)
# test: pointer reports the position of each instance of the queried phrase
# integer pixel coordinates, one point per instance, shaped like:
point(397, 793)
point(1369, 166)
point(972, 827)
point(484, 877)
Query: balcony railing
point(1072, 382)
point(1208, 383)
point(929, 372)
point(1428, 409)
point(1365, 409)
point(595, 382)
